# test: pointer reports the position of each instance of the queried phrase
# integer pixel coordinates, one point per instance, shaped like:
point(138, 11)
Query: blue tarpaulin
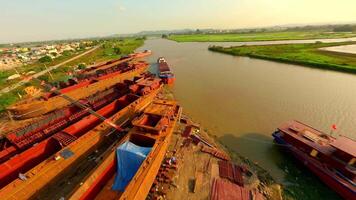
point(129, 159)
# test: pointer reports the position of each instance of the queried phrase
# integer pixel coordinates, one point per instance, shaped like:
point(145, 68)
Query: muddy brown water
point(242, 100)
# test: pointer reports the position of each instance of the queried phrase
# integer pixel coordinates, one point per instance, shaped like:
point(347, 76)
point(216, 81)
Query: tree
point(343, 28)
point(45, 59)
point(82, 66)
point(117, 50)
point(66, 53)
point(164, 36)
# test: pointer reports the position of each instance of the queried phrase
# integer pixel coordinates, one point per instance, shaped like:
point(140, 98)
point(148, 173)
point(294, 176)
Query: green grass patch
point(261, 36)
point(302, 54)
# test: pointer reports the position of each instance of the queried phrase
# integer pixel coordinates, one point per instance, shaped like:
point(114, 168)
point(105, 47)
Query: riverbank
point(302, 54)
point(262, 36)
point(109, 49)
point(299, 184)
point(195, 171)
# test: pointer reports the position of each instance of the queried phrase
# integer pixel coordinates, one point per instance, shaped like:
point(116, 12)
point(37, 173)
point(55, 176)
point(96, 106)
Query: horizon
point(35, 21)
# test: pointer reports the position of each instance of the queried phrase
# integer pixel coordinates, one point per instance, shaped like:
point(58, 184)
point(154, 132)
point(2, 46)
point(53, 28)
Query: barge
point(37, 107)
point(164, 72)
point(117, 62)
point(128, 170)
point(332, 159)
point(24, 159)
point(20, 137)
point(73, 147)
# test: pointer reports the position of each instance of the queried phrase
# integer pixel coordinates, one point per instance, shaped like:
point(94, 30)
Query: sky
point(38, 20)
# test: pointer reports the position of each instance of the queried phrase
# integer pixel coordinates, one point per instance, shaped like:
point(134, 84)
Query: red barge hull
point(324, 174)
point(164, 72)
point(29, 158)
point(332, 159)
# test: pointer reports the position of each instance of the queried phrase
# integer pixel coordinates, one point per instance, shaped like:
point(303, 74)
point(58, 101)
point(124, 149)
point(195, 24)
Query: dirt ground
point(195, 171)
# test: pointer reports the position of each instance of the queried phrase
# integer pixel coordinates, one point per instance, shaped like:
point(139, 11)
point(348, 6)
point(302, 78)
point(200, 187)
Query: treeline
point(345, 28)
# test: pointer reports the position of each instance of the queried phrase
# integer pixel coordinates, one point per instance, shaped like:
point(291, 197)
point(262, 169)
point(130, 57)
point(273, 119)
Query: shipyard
point(124, 136)
point(122, 130)
point(171, 100)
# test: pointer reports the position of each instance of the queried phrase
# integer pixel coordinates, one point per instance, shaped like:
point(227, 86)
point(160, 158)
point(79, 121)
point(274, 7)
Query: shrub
point(45, 59)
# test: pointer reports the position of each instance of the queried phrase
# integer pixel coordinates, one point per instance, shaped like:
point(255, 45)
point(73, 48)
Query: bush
point(66, 53)
point(45, 59)
point(81, 66)
point(117, 50)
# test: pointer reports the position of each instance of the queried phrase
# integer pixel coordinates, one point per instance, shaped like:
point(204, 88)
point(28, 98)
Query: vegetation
point(82, 66)
point(107, 51)
point(303, 54)
point(45, 59)
point(345, 28)
point(259, 36)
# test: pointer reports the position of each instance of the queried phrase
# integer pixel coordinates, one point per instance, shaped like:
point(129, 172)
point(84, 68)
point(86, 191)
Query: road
point(22, 82)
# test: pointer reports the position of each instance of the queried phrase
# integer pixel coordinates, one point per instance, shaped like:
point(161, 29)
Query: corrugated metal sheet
point(215, 152)
point(225, 190)
point(231, 171)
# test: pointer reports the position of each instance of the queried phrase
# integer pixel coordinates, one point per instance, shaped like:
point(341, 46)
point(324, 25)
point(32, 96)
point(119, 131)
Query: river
point(242, 100)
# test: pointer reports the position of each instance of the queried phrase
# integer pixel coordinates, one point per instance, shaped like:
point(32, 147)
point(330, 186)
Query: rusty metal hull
point(98, 184)
point(40, 107)
point(29, 158)
point(116, 62)
point(22, 138)
point(51, 168)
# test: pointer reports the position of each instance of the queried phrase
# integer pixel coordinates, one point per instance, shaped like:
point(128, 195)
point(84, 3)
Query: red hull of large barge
point(324, 174)
point(24, 161)
point(332, 159)
point(19, 139)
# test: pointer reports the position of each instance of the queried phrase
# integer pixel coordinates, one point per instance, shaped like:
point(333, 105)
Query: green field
point(302, 54)
point(108, 50)
point(262, 36)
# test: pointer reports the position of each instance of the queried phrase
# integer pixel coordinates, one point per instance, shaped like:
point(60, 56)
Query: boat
point(106, 70)
point(164, 72)
point(128, 170)
point(332, 159)
point(141, 54)
point(22, 133)
point(20, 136)
point(117, 62)
point(36, 107)
point(62, 150)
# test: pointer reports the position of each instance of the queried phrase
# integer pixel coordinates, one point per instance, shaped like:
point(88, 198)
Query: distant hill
point(155, 33)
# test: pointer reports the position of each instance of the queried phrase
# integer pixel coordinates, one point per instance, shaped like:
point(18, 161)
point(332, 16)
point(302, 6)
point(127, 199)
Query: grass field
point(302, 54)
point(263, 36)
point(105, 52)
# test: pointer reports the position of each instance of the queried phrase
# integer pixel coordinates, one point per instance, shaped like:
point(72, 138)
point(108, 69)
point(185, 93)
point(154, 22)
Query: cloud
point(121, 8)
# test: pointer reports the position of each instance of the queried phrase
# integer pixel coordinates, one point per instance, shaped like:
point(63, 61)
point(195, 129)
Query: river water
point(242, 100)
point(342, 49)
